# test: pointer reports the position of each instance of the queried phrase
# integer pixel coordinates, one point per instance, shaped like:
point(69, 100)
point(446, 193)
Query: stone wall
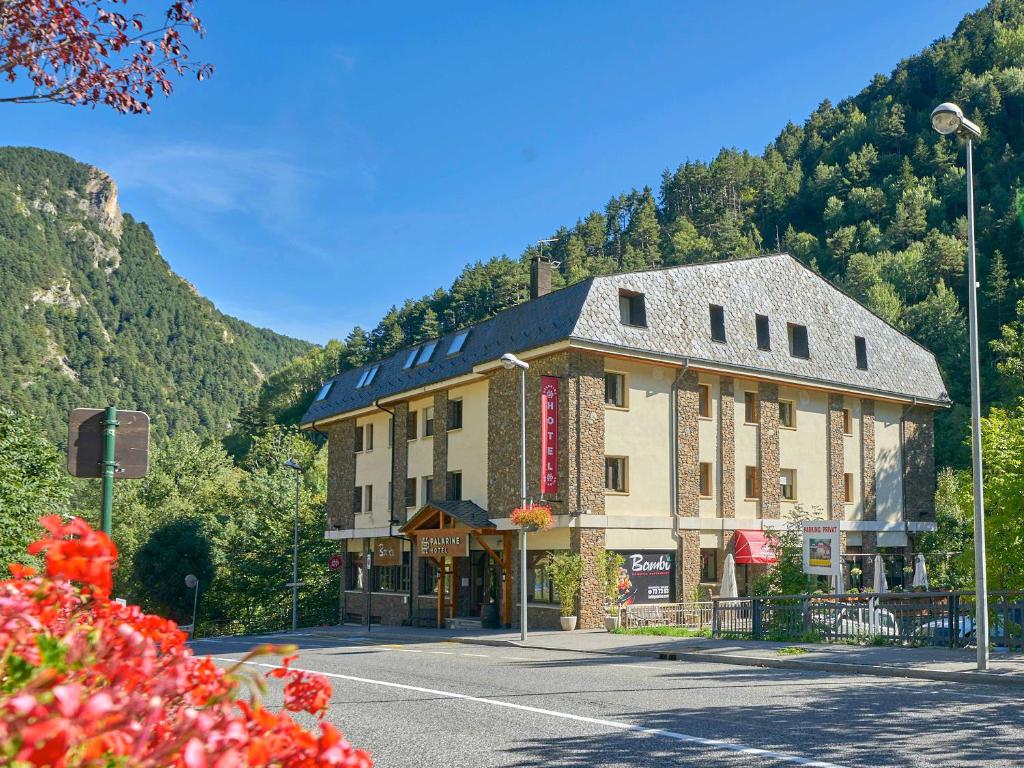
point(835, 458)
point(581, 435)
point(688, 566)
point(869, 497)
point(919, 464)
point(687, 483)
point(400, 466)
point(439, 487)
point(768, 449)
point(727, 446)
point(341, 474)
point(589, 543)
point(390, 608)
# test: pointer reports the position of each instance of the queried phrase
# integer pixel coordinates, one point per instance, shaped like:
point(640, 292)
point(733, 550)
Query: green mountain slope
point(863, 191)
point(90, 313)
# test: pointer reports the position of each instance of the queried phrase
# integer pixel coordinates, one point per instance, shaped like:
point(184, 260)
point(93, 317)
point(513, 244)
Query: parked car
point(937, 631)
point(855, 620)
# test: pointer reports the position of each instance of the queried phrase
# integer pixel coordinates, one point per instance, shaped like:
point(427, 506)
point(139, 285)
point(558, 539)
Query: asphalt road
point(447, 704)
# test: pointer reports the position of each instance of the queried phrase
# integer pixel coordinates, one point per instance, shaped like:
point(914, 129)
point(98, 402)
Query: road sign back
point(85, 444)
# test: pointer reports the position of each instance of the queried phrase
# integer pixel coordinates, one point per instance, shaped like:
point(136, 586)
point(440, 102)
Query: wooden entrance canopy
point(441, 531)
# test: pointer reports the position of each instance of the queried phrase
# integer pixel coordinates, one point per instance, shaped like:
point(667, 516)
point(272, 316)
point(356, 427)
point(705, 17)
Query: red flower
point(110, 684)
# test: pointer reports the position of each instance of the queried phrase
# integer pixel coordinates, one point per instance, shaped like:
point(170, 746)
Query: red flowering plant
point(85, 681)
point(532, 518)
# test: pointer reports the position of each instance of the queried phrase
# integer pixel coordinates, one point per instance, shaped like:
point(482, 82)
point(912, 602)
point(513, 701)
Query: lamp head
point(191, 581)
point(510, 361)
point(948, 118)
point(293, 464)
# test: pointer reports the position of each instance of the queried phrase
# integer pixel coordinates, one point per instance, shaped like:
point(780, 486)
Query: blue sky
point(348, 156)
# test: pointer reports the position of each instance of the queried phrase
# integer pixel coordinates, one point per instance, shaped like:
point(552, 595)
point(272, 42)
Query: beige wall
point(747, 452)
point(852, 459)
point(373, 467)
point(805, 449)
point(421, 452)
point(889, 471)
point(467, 447)
point(640, 432)
point(639, 538)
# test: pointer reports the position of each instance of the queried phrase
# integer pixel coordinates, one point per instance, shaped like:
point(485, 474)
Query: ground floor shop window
point(353, 571)
point(428, 577)
point(392, 578)
point(709, 565)
point(539, 585)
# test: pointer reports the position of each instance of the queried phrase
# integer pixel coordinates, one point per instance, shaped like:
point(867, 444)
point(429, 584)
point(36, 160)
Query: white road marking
point(711, 743)
point(443, 653)
point(478, 655)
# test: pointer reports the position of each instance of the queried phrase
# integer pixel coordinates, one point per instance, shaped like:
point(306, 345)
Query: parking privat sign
point(821, 547)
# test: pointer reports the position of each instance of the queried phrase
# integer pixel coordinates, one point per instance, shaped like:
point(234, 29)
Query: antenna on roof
point(778, 243)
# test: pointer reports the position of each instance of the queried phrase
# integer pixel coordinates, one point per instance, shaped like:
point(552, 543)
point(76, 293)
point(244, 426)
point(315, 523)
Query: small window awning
point(752, 548)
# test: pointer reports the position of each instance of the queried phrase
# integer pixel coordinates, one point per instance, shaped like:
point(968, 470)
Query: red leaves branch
point(85, 681)
point(85, 52)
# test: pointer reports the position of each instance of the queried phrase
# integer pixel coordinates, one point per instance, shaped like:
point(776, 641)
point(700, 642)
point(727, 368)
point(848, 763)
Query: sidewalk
point(922, 663)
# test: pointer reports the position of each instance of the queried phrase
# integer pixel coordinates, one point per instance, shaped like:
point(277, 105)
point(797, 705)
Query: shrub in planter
point(566, 572)
point(85, 681)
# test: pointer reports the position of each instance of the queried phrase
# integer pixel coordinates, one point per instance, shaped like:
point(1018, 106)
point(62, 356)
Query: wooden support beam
point(455, 588)
point(440, 593)
point(488, 550)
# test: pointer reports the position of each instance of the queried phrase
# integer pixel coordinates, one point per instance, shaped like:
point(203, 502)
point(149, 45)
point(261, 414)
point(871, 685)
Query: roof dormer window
point(426, 352)
point(458, 342)
point(717, 314)
point(860, 345)
point(325, 390)
point(631, 308)
point(368, 375)
point(799, 346)
point(410, 361)
point(764, 337)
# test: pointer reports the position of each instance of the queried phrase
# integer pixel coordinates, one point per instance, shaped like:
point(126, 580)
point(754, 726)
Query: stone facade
point(400, 462)
point(727, 446)
point(439, 488)
point(341, 474)
point(581, 435)
point(687, 566)
point(390, 608)
point(835, 437)
point(589, 543)
point(687, 483)
point(768, 449)
point(919, 463)
point(869, 497)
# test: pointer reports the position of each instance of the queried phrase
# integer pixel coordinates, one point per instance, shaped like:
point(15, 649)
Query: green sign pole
point(109, 464)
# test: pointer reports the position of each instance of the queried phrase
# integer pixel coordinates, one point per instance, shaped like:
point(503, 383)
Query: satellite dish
point(191, 581)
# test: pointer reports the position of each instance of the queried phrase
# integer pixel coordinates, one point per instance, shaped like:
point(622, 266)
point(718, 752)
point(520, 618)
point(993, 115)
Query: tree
point(33, 483)
point(174, 550)
point(87, 52)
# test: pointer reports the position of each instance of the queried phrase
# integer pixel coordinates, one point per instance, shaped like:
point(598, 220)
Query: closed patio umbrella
point(920, 573)
point(881, 585)
point(728, 577)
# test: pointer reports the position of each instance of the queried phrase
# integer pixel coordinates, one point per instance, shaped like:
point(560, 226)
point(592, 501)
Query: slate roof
point(678, 325)
point(465, 511)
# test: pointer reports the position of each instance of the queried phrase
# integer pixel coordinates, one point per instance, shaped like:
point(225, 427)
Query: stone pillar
point(919, 464)
point(727, 446)
point(835, 458)
point(869, 499)
point(768, 448)
point(400, 468)
point(341, 474)
point(589, 543)
point(440, 484)
point(687, 484)
point(502, 443)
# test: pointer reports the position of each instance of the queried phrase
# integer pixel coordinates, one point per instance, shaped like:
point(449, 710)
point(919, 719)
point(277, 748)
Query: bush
point(566, 572)
point(85, 681)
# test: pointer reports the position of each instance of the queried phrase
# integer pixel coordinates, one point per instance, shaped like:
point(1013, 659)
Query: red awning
point(753, 549)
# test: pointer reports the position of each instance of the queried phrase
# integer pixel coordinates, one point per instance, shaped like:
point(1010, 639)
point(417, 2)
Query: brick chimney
point(540, 276)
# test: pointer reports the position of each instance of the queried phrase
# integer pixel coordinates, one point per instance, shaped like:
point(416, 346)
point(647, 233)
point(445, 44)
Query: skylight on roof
point(458, 342)
point(371, 375)
point(325, 390)
point(362, 378)
point(410, 361)
point(426, 352)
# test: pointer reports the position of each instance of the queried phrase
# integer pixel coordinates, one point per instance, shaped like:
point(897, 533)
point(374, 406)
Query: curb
point(874, 670)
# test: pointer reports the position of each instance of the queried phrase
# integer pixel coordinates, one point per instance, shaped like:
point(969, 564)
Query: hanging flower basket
point(532, 518)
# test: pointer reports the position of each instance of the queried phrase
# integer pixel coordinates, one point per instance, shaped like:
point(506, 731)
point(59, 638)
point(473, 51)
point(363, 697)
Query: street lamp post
point(510, 361)
point(193, 583)
point(294, 465)
point(948, 118)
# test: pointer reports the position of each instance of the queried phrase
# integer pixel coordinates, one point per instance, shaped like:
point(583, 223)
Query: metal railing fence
point(695, 615)
point(906, 618)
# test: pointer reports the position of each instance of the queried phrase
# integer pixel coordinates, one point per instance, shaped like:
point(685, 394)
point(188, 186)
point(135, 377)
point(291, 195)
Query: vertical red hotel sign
point(549, 386)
